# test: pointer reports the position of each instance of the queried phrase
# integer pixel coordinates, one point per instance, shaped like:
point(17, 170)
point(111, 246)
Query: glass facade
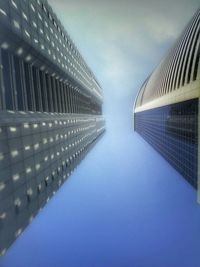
point(173, 131)
point(23, 79)
point(50, 111)
point(37, 155)
point(31, 34)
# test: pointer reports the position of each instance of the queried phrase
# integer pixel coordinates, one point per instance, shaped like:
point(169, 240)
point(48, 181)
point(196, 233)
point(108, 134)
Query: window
point(36, 89)
point(2, 12)
point(27, 34)
point(7, 80)
point(54, 95)
point(49, 93)
point(32, 7)
point(16, 24)
point(14, 4)
point(65, 98)
point(34, 24)
point(62, 97)
point(43, 91)
point(59, 96)
point(41, 31)
point(40, 17)
point(19, 85)
point(44, 8)
point(24, 16)
point(28, 87)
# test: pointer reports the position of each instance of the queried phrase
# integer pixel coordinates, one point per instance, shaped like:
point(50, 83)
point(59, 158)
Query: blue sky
point(124, 206)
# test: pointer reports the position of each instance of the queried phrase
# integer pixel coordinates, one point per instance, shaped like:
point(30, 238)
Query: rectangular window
point(62, 97)
point(66, 98)
point(29, 91)
point(74, 99)
point(49, 93)
point(78, 103)
point(70, 98)
point(58, 96)
point(36, 89)
point(7, 80)
point(54, 94)
point(19, 84)
point(43, 91)
point(76, 108)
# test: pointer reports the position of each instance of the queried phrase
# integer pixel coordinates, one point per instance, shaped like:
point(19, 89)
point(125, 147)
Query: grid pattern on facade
point(173, 131)
point(37, 154)
point(28, 88)
point(35, 22)
point(50, 111)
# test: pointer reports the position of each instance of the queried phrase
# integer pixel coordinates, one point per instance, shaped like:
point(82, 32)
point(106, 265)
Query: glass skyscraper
point(166, 110)
point(50, 111)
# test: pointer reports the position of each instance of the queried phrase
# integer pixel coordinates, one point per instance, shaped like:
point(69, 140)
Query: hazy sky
point(122, 41)
point(124, 206)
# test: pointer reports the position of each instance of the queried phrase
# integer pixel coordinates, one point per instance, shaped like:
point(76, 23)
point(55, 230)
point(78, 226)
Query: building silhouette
point(50, 111)
point(166, 110)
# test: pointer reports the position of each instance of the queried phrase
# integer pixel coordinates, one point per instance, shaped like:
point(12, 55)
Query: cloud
point(124, 41)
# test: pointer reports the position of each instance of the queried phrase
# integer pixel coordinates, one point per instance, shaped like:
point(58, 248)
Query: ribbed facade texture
point(50, 111)
point(166, 110)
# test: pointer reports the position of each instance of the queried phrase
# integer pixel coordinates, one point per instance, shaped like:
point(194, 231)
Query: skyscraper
point(166, 110)
point(50, 111)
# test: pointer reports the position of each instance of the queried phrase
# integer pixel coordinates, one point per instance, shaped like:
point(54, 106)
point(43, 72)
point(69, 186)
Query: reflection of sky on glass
point(124, 206)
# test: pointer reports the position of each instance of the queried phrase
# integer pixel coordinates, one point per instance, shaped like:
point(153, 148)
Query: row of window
point(33, 8)
point(173, 131)
point(26, 87)
point(29, 182)
point(27, 20)
point(29, 200)
point(178, 69)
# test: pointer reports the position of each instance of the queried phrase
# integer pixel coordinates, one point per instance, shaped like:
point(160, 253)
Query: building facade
point(166, 110)
point(50, 111)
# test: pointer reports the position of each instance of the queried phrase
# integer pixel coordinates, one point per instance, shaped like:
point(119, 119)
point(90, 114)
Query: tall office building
point(50, 111)
point(167, 111)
